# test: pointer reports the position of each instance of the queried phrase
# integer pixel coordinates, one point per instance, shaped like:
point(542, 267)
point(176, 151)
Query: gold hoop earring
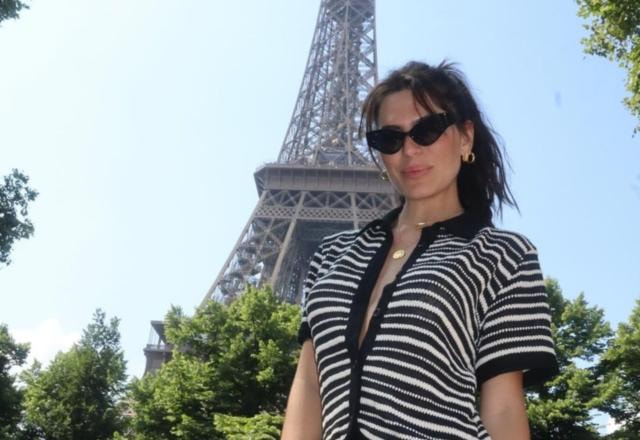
point(469, 158)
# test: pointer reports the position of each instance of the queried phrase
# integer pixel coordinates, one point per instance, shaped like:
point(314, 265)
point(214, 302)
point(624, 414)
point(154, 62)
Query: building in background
point(323, 181)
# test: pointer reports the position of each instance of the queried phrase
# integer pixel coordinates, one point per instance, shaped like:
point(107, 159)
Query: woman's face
point(420, 172)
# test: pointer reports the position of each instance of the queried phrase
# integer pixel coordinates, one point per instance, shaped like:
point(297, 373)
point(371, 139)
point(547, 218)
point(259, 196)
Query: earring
point(384, 175)
point(469, 158)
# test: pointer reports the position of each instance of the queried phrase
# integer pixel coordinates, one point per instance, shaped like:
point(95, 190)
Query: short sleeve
point(304, 332)
point(515, 333)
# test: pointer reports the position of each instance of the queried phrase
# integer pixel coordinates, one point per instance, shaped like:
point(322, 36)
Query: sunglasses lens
point(427, 131)
point(385, 141)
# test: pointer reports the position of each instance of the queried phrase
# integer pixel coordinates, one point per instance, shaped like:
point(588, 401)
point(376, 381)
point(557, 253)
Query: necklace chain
point(399, 253)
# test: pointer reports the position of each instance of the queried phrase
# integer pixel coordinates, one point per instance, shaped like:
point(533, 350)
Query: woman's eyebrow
point(397, 127)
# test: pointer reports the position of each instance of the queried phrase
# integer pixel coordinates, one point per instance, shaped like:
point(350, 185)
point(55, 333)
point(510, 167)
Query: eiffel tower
point(323, 180)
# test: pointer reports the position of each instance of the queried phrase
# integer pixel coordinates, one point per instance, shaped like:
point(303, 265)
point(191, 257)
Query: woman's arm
point(303, 415)
point(502, 407)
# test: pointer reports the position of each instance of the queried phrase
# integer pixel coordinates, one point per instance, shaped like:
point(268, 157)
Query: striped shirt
point(468, 304)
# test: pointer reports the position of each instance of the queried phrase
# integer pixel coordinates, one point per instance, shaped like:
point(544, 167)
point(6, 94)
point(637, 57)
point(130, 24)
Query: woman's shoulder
point(508, 239)
point(340, 241)
point(339, 238)
point(348, 234)
point(511, 251)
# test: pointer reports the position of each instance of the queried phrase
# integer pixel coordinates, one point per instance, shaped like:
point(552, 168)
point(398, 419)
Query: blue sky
point(141, 124)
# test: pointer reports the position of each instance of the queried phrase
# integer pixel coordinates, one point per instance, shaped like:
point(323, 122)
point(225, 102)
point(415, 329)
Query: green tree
point(560, 408)
point(11, 9)
point(621, 365)
point(615, 34)
point(237, 359)
point(77, 396)
point(12, 355)
point(176, 402)
point(263, 426)
point(15, 196)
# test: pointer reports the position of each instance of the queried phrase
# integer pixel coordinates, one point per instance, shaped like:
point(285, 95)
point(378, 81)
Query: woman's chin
point(416, 196)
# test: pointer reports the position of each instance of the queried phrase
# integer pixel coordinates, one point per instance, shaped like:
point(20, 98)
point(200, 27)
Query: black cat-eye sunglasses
point(425, 132)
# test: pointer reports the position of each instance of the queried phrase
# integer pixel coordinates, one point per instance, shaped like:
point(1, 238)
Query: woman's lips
point(413, 172)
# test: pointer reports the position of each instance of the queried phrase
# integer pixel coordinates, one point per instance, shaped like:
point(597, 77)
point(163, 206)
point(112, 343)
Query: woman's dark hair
point(445, 85)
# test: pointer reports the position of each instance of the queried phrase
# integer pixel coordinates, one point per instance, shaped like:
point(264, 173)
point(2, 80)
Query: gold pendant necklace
point(401, 252)
point(398, 254)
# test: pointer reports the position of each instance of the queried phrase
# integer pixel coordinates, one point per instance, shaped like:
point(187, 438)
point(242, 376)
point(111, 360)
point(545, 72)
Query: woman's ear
point(466, 134)
point(377, 159)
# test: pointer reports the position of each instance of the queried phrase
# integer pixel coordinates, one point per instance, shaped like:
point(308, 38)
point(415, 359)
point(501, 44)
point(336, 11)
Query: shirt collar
point(463, 225)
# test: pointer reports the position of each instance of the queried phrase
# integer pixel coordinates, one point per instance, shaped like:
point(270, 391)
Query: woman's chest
point(436, 289)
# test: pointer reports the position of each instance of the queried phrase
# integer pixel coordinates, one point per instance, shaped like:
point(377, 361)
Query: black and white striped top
point(468, 304)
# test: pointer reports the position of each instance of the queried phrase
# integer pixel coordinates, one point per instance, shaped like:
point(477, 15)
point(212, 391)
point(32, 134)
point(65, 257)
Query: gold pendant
point(398, 254)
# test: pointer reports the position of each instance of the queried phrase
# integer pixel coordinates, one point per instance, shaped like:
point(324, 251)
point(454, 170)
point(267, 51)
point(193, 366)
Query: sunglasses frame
point(439, 123)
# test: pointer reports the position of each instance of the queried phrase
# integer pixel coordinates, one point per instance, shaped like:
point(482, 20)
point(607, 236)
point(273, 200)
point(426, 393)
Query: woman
point(406, 320)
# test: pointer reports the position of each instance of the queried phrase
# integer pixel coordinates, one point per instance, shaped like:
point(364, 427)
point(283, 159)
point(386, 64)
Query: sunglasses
point(425, 132)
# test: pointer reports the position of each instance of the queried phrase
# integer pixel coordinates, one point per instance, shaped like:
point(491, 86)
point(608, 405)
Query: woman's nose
point(410, 148)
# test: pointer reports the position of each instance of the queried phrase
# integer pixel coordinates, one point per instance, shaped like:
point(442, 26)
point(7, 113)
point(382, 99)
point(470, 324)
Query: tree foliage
point(621, 364)
point(615, 34)
point(176, 402)
point(11, 9)
point(560, 408)
point(77, 396)
point(263, 426)
point(12, 355)
point(15, 196)
point(237, 359)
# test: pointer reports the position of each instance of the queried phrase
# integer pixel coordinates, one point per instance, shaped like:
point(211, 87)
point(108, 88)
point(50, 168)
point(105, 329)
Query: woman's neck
point(414, 212)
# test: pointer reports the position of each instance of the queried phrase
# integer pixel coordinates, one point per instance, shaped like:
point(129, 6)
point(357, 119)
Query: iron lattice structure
point(341, 69)
point(324, 180)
